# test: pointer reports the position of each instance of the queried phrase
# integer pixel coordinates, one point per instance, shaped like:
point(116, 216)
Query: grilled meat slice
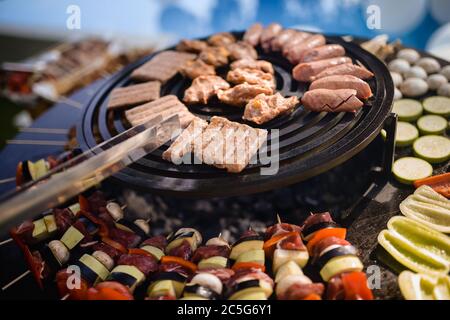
point(185, 141)
point(253, 34)
point(308, 70)
point(319, 100)
point(262, 65)
point(282, 38)
point(270, 32)
point(295, 54)
point(203, 88)
point(134, 94)
point(196, 68)
point(162, 67)
point(323, 52)
point(241, 94)
point(242, 50)
point(193, 46)
point(264, 108)
point(297, 39)
point(216, 56)
point(345, 69)
point(221, 39)
point(251, 76)
point(343, 82)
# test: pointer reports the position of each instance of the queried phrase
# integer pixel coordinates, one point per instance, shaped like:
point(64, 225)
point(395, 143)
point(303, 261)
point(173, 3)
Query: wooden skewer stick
point(16, 280)
point(278, 219)
point(7, 180)
point(6, 241)
point(66, 296)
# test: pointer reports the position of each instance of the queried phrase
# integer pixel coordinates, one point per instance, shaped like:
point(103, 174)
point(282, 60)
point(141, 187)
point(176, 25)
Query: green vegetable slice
point(407, 109)
point(408, 169)
point(423, 287)
point(422, 237)
point(406, 134)
point(437, 105)
point(427, 194)
point(432, 124)
point(410, 256)
point(434, 149)
point(431, 215)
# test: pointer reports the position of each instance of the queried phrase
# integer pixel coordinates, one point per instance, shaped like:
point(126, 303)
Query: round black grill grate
point(309, 143)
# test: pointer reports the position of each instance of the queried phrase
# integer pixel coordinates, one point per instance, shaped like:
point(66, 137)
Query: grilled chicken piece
point(185, 141)
point(343, 82)
point(295, 53)
point(251, 76)
point(253, 34)
point(281, 39)
point(221, 39)
point(242, 50)
point(241, 94)
point(203, 88)
point(297, 39)
point(262, 65)
point(345, 69)
point(308, 70)
point(323, 52)
point(162, 67)
point(319, 100)
point(196, 68)
point(270, 32)
point(194, 46)
point(216, 56)
point(264, 108)
point(165, 106)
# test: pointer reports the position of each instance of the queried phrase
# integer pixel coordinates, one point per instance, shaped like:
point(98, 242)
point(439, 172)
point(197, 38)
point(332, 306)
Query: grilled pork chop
point(242, 50)
point(241, 94)
point(264, 108)
point(345, 69)
point(262, 65)
point(295, 53)
point(323, 52)
point(251, 76)
point(253, 34)
point(203, 88)
point(343, 82)
point(216, 56)
point(196, 68)
point(308, 70)
point(327, 100)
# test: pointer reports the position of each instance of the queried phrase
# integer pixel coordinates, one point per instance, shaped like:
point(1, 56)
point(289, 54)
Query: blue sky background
point(414, 21)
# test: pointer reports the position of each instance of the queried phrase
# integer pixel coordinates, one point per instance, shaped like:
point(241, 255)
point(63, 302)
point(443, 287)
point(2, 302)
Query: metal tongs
point(85, 171)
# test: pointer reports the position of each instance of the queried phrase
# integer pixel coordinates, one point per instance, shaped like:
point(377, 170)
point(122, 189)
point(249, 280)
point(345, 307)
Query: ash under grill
point(309, 143)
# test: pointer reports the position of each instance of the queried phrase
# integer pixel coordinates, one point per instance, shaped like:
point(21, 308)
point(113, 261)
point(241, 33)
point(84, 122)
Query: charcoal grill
point(309, 143)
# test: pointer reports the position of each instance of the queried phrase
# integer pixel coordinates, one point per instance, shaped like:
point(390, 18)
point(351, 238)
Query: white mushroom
point(409, 55)
point(60, 251)
point(435, 81)
point(396, 78)
point(288, 281)
point(197, 235)
point(414, 87)
point(444, 90)
point(115, 210)
point(209, 281)
point(415, 72)
point(143, 225)
point(104, 259)
point(446, 72)
point(397, 94)
point(399, 65)
point(430, 65)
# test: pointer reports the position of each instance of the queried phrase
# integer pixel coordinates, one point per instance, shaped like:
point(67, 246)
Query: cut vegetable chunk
point(434, 149)
point(432, 124)
point(407, 170)
point(407, 109)
point(406, 134)
point(437, 105)
point(423, 287)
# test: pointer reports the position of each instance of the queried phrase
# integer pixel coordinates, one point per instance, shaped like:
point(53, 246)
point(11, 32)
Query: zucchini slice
point(432, 124)
point(434, 216)
point(434, 149)
point(407, 109)
point(408, 169)
point(437, 105)
point(410, 256)
point(340, 264)
point(406, 134)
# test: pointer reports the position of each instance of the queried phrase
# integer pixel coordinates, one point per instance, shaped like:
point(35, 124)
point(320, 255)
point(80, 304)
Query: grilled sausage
point(306, 71)
point(319, 100)
point(253, 34)
point(345, 69)
point(295, 53)
point(343, 82)
point(323, 52)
